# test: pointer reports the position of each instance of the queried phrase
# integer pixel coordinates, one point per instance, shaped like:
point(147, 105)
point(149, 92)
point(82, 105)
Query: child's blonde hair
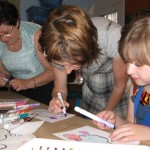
point(134, 45)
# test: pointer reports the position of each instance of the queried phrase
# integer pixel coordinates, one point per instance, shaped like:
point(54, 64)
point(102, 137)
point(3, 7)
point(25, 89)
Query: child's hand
point(109, 116)
point(130, 132)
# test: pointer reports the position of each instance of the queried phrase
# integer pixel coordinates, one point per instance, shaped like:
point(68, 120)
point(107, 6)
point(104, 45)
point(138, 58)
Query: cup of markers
point(13, 114)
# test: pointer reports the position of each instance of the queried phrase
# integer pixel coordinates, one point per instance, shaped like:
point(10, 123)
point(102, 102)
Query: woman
point(71, 42)
point(22, 66)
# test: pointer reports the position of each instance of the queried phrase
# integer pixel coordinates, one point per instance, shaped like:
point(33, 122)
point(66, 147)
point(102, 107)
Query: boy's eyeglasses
point(7, 34)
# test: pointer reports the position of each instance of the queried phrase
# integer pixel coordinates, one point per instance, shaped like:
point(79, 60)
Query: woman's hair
point(69, 35)
point(8, 13)
point(134, 45)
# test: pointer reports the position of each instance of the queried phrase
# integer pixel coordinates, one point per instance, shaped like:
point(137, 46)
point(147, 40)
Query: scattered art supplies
point(15, 113)
point(48, 144)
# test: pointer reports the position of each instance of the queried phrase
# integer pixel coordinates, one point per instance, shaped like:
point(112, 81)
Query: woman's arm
point(120, 82)
point(60, 85)
point(3, 74)
point(47, 76)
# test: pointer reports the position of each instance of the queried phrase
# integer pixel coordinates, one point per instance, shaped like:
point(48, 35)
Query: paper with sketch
point(11, 141)
point(44, 115)
point(28, 127)
point(87, 134)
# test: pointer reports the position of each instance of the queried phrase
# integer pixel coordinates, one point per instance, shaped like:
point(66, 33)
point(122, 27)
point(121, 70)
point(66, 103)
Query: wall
point(100, 7)
point(136, 8)
point(108, 6)
point(16, 3)
point(133, 6)
point(24, 5)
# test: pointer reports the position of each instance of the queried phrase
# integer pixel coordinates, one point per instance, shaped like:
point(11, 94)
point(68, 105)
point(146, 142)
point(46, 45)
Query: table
point(47, 129)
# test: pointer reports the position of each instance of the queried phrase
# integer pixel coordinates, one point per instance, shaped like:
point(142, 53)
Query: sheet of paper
point(49, 144)
point(11, 141)
point(44, 115)
point(12, 146)
point(87, 134)
point(27, 128)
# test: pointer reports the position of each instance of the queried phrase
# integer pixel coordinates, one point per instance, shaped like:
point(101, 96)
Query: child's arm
point(130, 131)
point(113, 118)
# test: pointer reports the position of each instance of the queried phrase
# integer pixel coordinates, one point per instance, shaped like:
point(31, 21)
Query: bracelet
point(34, 83)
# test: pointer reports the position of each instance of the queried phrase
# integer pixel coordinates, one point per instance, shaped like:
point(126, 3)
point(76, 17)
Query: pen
point(11, 118)
point(94, 117)
point(60, 98)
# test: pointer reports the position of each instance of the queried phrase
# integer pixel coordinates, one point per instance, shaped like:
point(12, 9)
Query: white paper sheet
point(11, 141)
point(47, 144)
point(87, 134)
point(27, 128)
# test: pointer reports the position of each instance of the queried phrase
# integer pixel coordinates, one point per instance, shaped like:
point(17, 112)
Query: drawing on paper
point(45, 115)
point(7, 138)
point(85, 134)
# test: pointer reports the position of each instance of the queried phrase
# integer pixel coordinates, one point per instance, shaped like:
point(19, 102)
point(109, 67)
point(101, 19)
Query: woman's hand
point(55, 105)
point(22, 84)
point(130, 132)
point(109, 116)
point(3, 80)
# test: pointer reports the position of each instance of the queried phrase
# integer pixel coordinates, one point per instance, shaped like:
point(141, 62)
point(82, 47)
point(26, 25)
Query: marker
point(93, 117)
point(11, 104)
point(64, 108)
point(17, 122)
point(13, 124)
point(6, 108)
point(6, 79)
point(21, 116)
point(28, 106)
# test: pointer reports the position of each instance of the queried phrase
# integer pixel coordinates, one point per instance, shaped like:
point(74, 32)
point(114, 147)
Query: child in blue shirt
point(134, 48)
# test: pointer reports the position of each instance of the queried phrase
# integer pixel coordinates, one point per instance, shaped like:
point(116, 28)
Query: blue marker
point(7, 80)
point(93, 117)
